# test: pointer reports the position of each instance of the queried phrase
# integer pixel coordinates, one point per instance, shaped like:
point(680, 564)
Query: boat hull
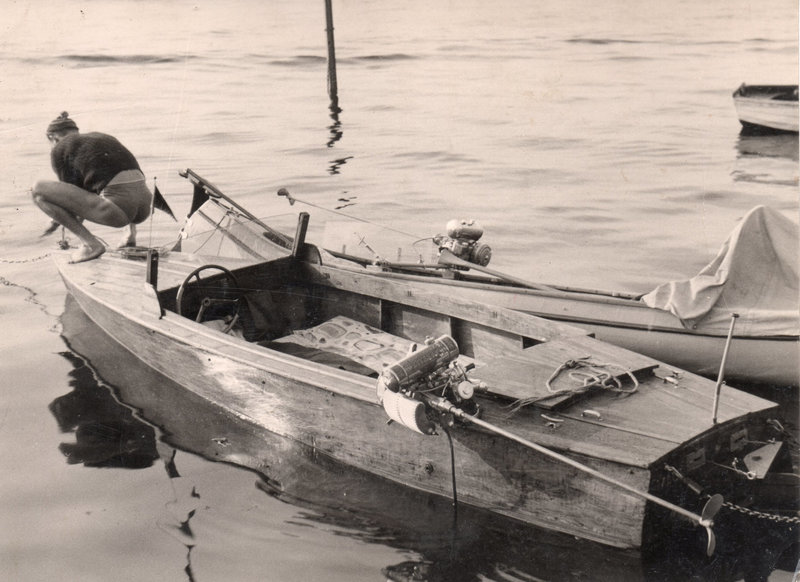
point(759, 109)
point(492, 474)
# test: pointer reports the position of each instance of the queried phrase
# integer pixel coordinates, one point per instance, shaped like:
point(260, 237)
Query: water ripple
point(299, 61)
point(89, 60)
point(388, 57)
point(605, 41)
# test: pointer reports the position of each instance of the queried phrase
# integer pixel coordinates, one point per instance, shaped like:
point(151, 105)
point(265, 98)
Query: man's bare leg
point(128, 237)
point(92, 247)
point(69, 205)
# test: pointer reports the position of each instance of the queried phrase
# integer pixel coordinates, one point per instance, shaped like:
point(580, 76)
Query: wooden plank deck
point(525, 374)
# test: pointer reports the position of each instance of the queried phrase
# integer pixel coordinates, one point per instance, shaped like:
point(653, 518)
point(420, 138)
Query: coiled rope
point(589, 374)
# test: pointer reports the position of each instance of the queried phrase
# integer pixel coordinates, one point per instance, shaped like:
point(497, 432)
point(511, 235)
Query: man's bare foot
point(126, 241)
point(86, 253)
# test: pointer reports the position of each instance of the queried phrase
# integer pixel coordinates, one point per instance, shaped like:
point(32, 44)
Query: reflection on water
point(335, 166)
point(335, 129)
point(336, 134)
point(446, 546)
point(769, 146)
point(767, 160)
point(110, 434)
point(106, 433)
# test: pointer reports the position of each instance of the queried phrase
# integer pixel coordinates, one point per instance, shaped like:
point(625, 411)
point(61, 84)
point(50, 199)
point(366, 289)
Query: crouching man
point(99, 180)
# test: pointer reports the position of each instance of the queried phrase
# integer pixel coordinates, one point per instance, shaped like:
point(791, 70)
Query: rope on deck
point(589, 374)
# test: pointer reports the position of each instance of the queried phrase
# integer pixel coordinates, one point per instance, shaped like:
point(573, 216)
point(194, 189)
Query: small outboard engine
point(430, 370)
point(462, 238)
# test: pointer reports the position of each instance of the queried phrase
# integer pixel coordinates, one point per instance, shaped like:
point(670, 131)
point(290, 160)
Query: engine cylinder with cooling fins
point(437, 354)
point(461, 239)
point(466, 229)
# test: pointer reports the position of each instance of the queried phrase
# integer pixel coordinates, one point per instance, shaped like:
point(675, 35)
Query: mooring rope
point(21, 261)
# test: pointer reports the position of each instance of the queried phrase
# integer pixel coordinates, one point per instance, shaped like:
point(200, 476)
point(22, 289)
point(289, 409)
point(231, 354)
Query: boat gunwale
point(587, 297)
point(764, 91)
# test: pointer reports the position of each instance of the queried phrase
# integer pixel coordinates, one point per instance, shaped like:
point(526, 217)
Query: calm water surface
point(596, 142)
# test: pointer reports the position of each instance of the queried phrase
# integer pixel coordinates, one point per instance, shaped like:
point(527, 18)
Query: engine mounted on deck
point(461, 238)
point(432, 370)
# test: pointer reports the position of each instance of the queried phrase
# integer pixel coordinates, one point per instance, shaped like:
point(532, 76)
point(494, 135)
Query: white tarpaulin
point(755, 275)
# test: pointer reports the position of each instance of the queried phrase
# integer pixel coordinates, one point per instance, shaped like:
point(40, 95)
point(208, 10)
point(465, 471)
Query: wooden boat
point(767, 108)
point(540, 422)
point(358, 503)
point(622, 319)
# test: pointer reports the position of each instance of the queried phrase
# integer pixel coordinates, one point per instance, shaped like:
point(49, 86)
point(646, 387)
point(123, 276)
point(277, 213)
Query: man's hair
point(61, 124)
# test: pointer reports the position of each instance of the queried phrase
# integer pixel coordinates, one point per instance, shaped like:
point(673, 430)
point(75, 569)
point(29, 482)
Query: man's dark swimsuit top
point(91, 160)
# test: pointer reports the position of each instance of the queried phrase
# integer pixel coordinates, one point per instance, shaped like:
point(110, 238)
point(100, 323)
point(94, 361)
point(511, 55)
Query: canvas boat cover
point(755, 274)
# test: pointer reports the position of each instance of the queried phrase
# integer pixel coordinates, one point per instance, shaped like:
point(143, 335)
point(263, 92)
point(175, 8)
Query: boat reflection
point(463, 545)
point(768, 146)
point(106, 433)
point(767, 159)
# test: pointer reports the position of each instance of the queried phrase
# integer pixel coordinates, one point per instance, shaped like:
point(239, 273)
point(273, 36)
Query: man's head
point(60, 127)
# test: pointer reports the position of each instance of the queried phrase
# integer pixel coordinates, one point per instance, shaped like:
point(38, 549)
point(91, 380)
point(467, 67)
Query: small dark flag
point(161, 204)
point(199, 197)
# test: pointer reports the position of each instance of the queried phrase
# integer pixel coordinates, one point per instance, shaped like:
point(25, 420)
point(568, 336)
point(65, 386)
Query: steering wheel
point(209, 301)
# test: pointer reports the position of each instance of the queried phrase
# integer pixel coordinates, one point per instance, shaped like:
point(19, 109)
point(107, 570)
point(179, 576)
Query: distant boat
point(767, 108)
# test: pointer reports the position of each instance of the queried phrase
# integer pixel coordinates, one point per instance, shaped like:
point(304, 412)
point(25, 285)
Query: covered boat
point(526, 418)
point(683, 323)
point(767, 108)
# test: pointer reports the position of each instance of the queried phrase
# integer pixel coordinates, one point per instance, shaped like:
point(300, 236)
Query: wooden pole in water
point(333, 86)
